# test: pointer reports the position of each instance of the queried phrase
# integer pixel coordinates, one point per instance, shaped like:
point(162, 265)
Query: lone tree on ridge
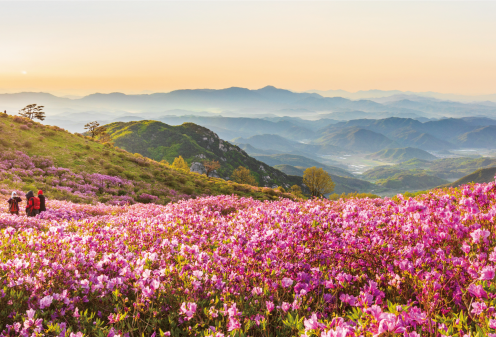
point(318, 181)
point(94, 128)
point(33, 111)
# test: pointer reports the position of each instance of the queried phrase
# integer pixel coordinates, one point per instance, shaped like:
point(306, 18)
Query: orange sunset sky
point(79, 48)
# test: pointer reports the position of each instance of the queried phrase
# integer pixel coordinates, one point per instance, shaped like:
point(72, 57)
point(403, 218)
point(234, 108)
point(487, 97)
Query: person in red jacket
point(14, 203)
point(33, 204)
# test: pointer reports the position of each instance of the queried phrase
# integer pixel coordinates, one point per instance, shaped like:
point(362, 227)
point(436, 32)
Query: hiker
point(33, 204)
point(42, 201)
point(14, 203)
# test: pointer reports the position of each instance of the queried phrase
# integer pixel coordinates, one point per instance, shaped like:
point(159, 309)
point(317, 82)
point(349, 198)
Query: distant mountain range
point(394, 94)
point(240, 102)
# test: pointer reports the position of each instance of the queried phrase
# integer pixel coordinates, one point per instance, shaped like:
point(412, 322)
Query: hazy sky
point(85, 47)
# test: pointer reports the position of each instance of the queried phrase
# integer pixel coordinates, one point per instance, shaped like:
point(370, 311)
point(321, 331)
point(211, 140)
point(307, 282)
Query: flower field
point(219, 266)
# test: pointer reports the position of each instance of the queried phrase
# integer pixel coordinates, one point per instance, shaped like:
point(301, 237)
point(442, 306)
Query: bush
point(145, 175)
point(188, 190)
point(130, 175)
point(18, 119)
point(48, 133)
point(352, 195)
point(27, 144)
point(24, 127)
point(90, 160)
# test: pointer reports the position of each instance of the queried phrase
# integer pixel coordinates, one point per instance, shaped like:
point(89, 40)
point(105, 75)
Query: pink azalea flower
point(478, 308)
point(188, 310)
point(269, 305)
point(287, 282)
point(487, 273)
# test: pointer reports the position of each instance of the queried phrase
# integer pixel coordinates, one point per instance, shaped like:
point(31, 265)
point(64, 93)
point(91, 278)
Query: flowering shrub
point(217, 266)
point(17, 167)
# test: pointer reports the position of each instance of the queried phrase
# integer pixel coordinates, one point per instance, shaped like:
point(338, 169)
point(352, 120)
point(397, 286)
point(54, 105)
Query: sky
point(77, 48)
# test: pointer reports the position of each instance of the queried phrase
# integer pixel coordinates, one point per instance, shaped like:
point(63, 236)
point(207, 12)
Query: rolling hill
point(480, 176)
point(356, 139)
point(400, 155)
point(159, 141)
point(410, 181)
point(484, 137)
point(445, 168)
point(300, 161)
point(73, 167)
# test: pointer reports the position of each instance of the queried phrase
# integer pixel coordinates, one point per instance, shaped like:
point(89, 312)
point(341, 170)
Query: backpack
point(36, 203)
point(14, 207)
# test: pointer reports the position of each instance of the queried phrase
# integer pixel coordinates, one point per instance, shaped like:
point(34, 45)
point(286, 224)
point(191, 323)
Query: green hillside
point(484, 137)
point(381, 172)
point(445, 168)
point(400, 155)
point(355, 139)
point(410, 181)
point(159, 141)
point(295, 160)
point(83, 156)
point(484, 175)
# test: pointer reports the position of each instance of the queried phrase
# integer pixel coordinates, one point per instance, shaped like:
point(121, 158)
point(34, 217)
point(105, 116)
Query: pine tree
point(33, 111)
point(94, 128)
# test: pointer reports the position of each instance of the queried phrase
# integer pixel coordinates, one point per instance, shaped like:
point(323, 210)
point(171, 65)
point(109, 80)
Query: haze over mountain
point(240, 102)
point(392, 94)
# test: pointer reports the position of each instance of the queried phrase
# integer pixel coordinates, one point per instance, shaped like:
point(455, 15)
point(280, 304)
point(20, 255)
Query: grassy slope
point(83, 155)
point(446, 168)
point(480, 176)
point(159, 141)
point(411, 181)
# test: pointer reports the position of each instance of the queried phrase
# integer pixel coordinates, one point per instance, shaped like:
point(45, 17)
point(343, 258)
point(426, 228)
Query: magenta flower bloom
point(478, 308)
point(285, 306)
point(479, 234)
point(233, 324)
point(287, 282)
point(477, 291)
point(256, 291)
point(312, 323)
point(487, 273)
point(269, 305)
point(188, 310)
point(338, 332)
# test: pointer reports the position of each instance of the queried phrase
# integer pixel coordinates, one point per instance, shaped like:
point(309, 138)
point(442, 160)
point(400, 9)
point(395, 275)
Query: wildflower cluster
point(223, 265)
point(22, 171)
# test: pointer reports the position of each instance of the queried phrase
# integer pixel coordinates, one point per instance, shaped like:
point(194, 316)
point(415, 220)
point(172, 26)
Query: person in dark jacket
point(42, 201)
point(30, 205)
point(14, 203)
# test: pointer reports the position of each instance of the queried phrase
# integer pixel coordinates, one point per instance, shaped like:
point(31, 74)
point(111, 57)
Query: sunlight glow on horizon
point(79, 48)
